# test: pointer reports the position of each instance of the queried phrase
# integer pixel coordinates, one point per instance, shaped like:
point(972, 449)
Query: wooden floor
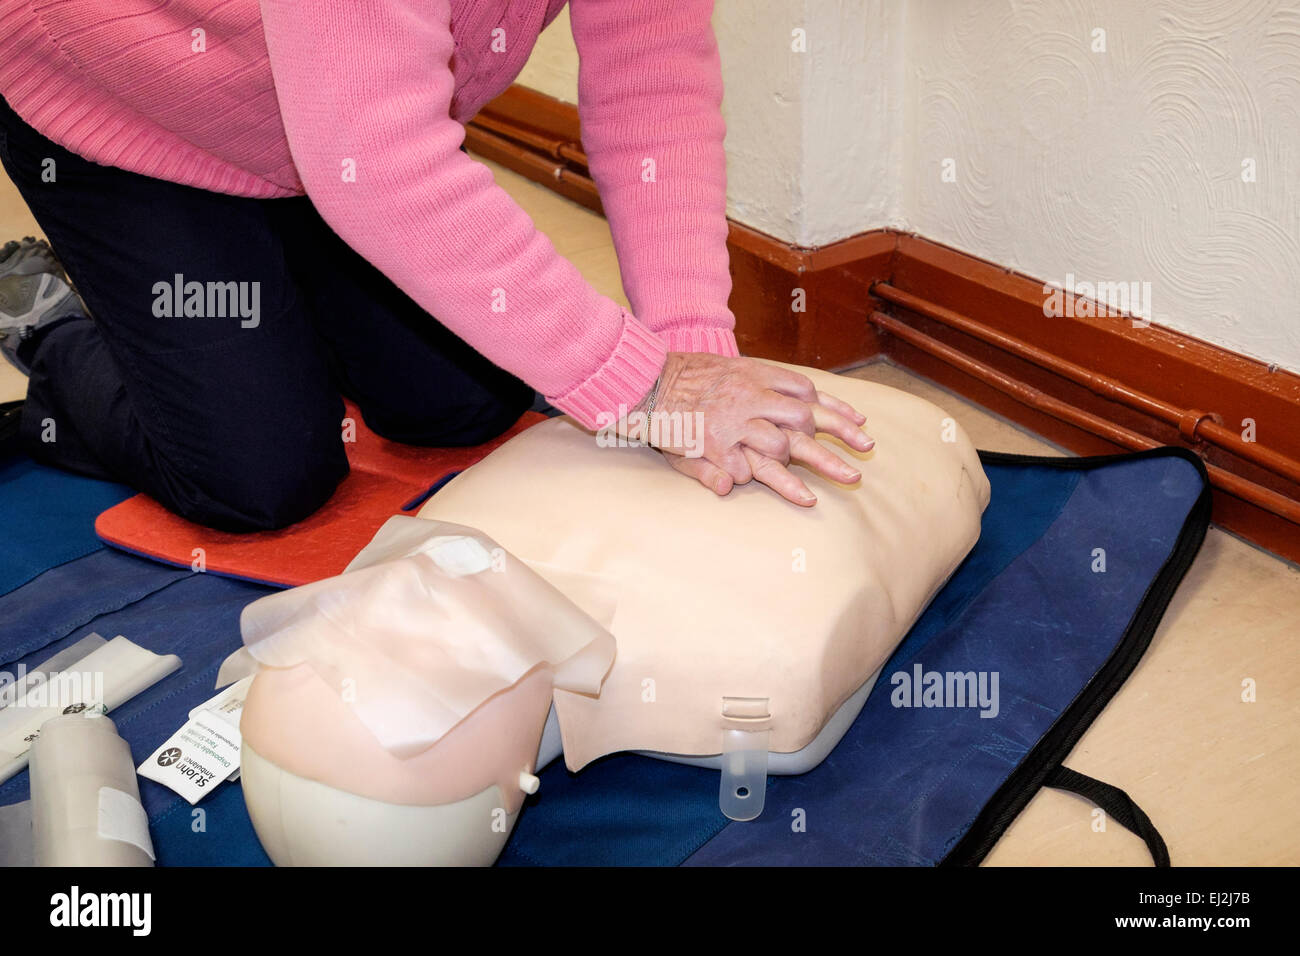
point(1220, 777)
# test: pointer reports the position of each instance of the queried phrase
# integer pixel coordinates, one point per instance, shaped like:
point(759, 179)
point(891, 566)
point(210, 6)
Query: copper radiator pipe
point(552, 146)
point(537, 142)
point(574, 153)
point(1225, 481)
point(478, 135)
point(1192, 424)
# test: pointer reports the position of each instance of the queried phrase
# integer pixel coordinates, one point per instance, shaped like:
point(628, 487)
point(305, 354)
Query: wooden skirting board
point(1092, 382)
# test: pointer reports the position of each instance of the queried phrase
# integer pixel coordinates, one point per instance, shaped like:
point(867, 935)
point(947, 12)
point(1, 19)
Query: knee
point(270, 492)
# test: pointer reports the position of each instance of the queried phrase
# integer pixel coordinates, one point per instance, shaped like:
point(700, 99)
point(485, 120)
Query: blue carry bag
point(907, 785)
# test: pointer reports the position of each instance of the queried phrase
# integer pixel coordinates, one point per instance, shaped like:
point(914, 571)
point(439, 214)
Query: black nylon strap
point(1117, 804)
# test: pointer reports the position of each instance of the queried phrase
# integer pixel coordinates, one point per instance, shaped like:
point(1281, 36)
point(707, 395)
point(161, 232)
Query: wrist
point(649, 398)
point(637, 424)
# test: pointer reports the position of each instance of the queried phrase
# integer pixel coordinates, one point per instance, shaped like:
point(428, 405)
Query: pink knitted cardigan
point(360, 104)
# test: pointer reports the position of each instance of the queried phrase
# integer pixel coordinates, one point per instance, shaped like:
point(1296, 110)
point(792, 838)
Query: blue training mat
point(42, 514)
point(907, 785)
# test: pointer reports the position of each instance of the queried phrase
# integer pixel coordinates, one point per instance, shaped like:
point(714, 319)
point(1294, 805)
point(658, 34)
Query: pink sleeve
point(649, 99)
point(365, 86)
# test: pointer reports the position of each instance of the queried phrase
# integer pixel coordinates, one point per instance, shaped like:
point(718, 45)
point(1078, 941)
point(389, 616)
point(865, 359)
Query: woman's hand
point(742, 420)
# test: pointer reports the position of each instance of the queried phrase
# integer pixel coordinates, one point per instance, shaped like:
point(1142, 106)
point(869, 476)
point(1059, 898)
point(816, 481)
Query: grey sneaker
point(29, 303)
point(29, 256)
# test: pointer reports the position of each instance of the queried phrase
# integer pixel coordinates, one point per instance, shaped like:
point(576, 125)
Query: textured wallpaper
point(1154, 145)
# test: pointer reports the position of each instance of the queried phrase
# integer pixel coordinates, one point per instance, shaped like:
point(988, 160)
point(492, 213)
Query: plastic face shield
point(429, 621)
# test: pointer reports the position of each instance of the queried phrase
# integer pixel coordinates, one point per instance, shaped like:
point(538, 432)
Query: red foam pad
point(385, 476)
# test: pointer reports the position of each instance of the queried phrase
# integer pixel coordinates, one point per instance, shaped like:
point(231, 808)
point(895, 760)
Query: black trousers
point(225, 405)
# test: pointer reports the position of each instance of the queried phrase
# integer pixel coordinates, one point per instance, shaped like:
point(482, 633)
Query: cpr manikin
point(397, 709)
point(749, 632)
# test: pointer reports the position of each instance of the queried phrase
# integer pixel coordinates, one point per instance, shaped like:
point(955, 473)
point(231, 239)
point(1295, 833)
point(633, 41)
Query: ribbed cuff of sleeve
point(703, 338)
point(623, 380)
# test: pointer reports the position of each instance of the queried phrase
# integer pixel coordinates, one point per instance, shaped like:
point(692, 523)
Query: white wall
point(854, 121)
point(814, 139)
point(764, 108)
point(1122, 165)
